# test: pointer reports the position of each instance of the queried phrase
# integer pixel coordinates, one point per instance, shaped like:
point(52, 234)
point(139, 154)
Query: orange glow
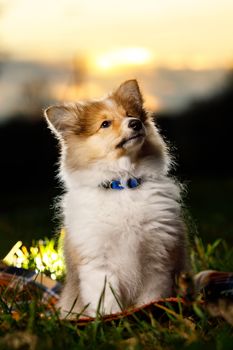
point(62, 92)
point(193, 34)
point(152, 103)
point(83, 49)
point(73, 92)
point(123, 58)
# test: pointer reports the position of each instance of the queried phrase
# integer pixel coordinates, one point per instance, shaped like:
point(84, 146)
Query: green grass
point(34, 332)
point(188, 327)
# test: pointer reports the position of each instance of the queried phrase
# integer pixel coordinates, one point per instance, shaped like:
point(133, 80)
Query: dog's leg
point(99, 290)
point(155, 287)
point(70, 302)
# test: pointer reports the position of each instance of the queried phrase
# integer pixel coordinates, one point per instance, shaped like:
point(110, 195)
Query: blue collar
point(118, 185)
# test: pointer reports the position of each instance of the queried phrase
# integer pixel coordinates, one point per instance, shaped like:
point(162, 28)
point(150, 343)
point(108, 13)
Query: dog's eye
point(106, 124)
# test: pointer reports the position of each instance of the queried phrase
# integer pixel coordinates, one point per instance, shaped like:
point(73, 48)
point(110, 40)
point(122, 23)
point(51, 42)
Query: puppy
point(125, 239)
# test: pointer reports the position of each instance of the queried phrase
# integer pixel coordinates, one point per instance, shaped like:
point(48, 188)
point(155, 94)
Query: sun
point(123, 58)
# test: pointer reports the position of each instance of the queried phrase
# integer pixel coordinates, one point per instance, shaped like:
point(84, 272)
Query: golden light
point(73, 92)
point(125, 57)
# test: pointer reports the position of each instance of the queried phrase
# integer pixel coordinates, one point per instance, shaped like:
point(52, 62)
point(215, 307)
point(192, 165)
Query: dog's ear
point(129, 95)
point(62, 119)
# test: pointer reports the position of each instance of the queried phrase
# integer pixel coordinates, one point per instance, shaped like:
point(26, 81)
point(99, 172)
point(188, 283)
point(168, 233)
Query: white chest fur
point(129, 237)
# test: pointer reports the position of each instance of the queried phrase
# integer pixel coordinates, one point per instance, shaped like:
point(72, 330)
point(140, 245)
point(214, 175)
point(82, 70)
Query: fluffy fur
point(130, 241)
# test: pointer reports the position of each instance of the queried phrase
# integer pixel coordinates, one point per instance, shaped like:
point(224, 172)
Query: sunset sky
point(174, 33)
point(179, 49)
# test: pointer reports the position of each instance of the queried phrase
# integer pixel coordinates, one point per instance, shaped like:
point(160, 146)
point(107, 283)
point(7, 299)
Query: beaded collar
point(131, 183)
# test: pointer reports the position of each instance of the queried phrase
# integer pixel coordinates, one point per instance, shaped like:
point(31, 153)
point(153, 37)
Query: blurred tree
point(77, 84)
point(79, 70)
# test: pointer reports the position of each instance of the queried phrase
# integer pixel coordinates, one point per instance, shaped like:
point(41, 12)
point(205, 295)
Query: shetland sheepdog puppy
point(125, 238)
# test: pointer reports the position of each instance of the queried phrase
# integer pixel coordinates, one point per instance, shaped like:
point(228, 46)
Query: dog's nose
point(135, 124)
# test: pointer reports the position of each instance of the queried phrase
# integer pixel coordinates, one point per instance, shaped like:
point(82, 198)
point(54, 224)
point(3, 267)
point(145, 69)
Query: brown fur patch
point(129, 96)
point(89, 142)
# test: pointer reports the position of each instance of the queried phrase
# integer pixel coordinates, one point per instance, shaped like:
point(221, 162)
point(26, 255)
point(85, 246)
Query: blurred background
point(181, 51)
